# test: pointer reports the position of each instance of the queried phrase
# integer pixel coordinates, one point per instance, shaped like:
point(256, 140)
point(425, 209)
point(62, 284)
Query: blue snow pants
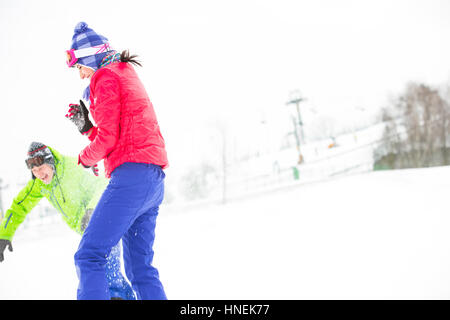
point(127, 210)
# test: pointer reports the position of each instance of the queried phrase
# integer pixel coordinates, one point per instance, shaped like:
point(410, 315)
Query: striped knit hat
point(85, 37)
point(38, 149)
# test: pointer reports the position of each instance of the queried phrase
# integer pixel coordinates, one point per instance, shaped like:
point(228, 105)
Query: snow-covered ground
point(378, 235)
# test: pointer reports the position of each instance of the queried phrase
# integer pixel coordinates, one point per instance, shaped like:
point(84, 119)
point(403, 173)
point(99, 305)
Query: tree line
point(417, 130)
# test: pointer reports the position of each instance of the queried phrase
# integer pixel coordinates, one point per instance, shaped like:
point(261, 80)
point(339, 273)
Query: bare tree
point(417, 129)
point(199, 181)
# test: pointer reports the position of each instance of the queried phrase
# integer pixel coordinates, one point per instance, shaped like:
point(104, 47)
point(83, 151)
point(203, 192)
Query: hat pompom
point(80, 27)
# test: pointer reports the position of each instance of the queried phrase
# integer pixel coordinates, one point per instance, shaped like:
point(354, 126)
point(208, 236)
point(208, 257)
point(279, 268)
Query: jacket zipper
point(7, 220)
point(56, 200)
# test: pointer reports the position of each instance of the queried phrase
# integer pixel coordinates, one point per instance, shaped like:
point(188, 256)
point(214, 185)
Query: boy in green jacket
point(74, 193)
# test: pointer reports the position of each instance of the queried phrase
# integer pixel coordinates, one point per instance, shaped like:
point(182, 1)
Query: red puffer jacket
point(127, 129)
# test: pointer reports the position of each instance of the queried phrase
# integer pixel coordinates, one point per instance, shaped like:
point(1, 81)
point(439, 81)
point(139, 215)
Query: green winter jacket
point(72, 191)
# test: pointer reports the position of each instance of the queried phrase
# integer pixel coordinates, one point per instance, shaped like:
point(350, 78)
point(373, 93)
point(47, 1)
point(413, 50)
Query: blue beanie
point(85, 37)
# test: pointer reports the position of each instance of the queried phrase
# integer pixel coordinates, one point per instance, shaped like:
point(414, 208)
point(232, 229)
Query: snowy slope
point(379, 235)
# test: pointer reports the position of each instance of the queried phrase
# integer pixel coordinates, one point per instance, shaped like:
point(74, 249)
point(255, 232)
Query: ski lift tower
point(295, 99)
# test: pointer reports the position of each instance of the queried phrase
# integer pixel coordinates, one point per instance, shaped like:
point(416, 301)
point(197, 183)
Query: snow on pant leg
point(118, 285)
point(122, 200)
point(138, 257)
point(138, 242)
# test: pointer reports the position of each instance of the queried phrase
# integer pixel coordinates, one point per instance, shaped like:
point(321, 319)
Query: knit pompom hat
point(38, 149)
point(85, 37)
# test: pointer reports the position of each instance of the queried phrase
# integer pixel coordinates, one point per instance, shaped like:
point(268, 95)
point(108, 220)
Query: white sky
point(207, 62)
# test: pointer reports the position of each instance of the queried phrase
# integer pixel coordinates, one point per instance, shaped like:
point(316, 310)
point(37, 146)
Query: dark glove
point(3, 244)
point(85, 219)
point(94, 168)
point(79, 114)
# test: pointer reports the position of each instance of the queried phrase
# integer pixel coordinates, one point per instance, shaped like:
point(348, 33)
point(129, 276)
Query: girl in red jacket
point(127, 137)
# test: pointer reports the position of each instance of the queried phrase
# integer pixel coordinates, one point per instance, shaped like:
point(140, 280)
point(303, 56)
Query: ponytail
point(125, 57)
